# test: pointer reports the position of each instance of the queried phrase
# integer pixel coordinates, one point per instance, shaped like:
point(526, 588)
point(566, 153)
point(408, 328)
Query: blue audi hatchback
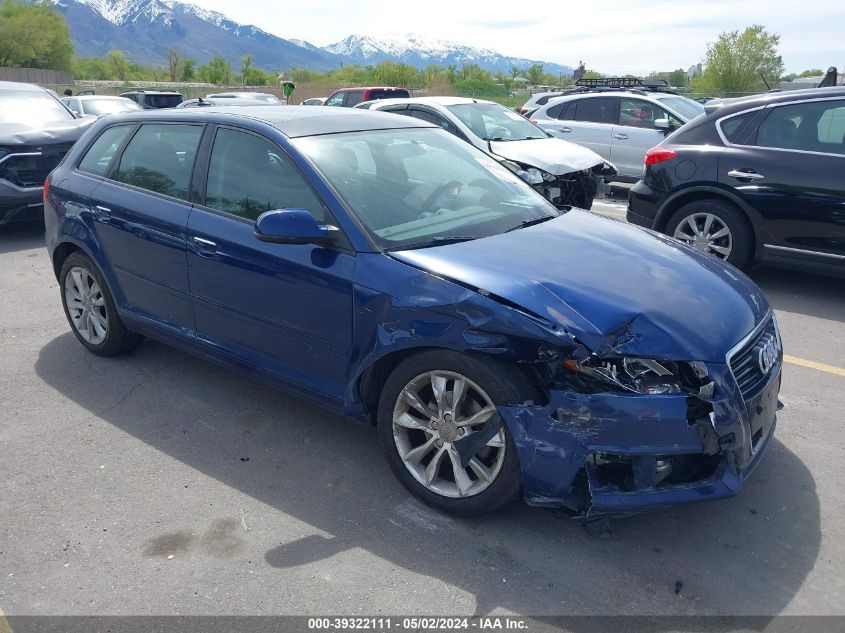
point(388, 271)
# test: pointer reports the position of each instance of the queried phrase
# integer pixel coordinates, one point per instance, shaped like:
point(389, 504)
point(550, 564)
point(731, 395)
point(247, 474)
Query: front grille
point(745, 362)
point(32, 170)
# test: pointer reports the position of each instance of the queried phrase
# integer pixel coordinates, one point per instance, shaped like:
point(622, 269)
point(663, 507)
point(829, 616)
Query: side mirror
point(662, 124)
point(291, 226)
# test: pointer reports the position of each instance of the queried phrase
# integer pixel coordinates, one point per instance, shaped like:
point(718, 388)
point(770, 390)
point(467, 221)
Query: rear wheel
point(90, 310)
point(714, 227)
point(443, 436)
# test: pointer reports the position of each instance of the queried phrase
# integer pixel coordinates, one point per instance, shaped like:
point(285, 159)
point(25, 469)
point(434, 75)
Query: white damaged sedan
point(565, 173)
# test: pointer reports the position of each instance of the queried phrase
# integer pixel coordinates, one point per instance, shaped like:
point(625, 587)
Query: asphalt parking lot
point(159, 484)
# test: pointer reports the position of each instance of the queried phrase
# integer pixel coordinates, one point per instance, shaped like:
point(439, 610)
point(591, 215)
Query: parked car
point(99, 105)
point(620, 126)
point(565, 173)
point(36, 131)
point(203, 102)
point(350, 97)
point(154, 99)
point(387, 270)
point(756, 179)
point(266, 97)
point(536, 100)
point(314, 101)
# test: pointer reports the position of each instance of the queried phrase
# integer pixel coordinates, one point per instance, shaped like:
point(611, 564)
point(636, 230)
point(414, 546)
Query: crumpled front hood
point(49, 133)
point(554, 155)
point(619, 289)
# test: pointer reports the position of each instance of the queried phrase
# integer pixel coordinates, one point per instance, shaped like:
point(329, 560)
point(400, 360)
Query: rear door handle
point(621, 137)
point(745, 175)
point(565, 130)
point(205, 246)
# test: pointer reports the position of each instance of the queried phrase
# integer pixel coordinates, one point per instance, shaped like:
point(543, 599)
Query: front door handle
point(621, 137)
point(205, 246)
point(745, 175)
point(565, 130)
point(102, 214)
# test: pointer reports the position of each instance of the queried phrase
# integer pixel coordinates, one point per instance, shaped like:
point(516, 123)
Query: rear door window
point(596, 110)
point(160, 158)
point(353, 98)
point(99, 156)
point(814, 126)
point(248, 176)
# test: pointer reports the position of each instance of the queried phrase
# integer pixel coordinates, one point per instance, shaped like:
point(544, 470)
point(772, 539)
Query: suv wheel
point(714, 227)
point(443, 437)
point(90, 310)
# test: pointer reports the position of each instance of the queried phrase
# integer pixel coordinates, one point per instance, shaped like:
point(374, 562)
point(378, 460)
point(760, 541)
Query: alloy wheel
point(433, 412)
point(86, 305)
point(706, 232)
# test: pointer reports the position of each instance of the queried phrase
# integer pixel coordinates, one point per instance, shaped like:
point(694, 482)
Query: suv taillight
point(659, 155)
point(46, 189)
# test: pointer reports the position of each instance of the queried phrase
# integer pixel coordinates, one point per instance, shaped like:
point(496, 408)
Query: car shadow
point(21, 236)
point(747, 555)
point(803, 293)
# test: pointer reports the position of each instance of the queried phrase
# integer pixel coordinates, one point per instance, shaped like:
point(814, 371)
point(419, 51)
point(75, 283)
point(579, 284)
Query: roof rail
point(633, 84)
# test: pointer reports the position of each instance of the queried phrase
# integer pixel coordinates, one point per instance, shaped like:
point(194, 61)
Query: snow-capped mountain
point(420, 52)
point(146, 29)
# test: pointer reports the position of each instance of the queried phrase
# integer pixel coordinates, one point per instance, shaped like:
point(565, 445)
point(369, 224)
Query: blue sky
point(613, 36)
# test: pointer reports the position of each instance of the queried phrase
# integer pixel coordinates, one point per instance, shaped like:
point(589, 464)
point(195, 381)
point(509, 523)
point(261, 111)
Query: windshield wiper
point(439, 240)
point(531, 222)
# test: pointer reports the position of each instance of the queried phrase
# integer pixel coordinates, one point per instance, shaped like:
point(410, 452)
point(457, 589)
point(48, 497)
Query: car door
point(353, 98)
point(635, 133)
point(589, 122)
point(790, 168)
point(282, 309)
point(140, 218)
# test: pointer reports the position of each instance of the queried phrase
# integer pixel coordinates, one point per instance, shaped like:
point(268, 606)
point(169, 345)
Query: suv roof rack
point(626, 84)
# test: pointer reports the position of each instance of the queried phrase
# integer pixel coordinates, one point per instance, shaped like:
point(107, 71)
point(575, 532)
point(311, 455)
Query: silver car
point(620, 126)
point(565, 173)
point(99, 105)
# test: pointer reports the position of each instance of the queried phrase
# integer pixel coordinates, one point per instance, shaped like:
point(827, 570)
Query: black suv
point(36, 131)
point(154, 99)
point(755, 179)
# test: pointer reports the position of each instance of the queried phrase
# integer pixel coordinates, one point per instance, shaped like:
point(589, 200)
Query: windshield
point(494, 122)
point(108, 106)
point(687, 108)
point(30, 108)
point(418, 187)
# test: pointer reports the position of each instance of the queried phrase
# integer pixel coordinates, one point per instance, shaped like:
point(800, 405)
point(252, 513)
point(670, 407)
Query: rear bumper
point(643, 205)
point(20, 204)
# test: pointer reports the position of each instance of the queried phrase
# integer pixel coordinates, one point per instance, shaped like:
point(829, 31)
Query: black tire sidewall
point(117, 337)
point(742, 237)
point(508, 483)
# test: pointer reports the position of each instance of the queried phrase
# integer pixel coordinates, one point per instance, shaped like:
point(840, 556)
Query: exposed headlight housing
point(637, 375)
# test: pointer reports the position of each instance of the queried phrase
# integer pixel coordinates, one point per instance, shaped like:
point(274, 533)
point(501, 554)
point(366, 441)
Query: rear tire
point(715, 227)
point(420, 432)
point(89, 307)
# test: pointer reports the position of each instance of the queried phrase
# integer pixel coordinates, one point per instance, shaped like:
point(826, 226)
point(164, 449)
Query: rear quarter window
point(733, 127)
point(99, 156)
point(389, 94)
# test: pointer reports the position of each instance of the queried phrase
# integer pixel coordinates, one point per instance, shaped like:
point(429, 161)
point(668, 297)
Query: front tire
point(437, 407)
point(90, 309)
point(715, 227)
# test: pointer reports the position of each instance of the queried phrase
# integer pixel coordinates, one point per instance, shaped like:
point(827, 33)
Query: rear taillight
point(659, 155)
point(522, 110)
point(46, 189)
point(534, 121)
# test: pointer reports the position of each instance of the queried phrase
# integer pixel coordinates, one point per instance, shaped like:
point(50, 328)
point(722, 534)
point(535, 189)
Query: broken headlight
point(637, 375)
point(531, 175)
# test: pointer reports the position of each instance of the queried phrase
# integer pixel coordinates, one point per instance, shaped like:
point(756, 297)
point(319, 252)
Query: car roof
point(441, 101)
point(87, 97)
point(292, 121)
point(738, 104)
point(370, 88)
point(20, 87)
point(141, 91)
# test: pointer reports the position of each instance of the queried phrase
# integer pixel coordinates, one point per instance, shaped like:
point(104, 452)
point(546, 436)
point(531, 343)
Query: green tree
point(217, 71)
point(174, 61)
point(534, 74)
point(246, 64)
point(737, 62)
point(119, 64)
point(678, 78)
point(188, 71)
point(813, 72)
point(34, 36)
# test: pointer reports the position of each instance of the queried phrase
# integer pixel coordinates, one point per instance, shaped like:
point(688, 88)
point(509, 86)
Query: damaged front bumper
point(610, 454)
